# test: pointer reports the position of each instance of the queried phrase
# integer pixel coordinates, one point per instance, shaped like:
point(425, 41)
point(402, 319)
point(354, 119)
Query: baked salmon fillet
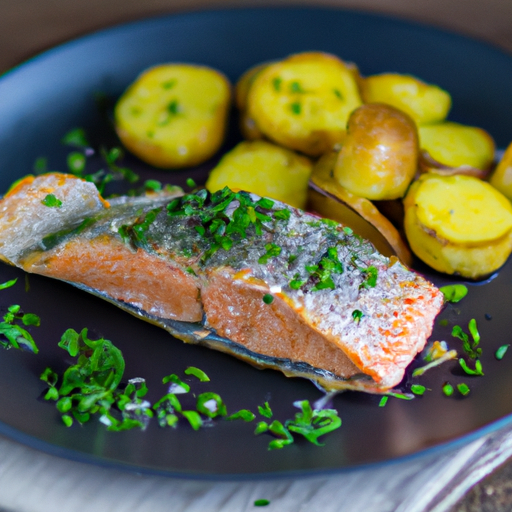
point(275, 286)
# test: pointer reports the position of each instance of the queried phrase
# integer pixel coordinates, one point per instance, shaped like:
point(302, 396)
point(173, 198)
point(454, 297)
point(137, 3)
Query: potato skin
point(480, 247)
point(302, 102)
point(379, 157)
point(174, 115)
point(501, 178)
point(425, 103)
point(265, 169)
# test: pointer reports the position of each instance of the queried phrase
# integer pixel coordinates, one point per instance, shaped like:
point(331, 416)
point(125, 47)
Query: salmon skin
point(272, 285)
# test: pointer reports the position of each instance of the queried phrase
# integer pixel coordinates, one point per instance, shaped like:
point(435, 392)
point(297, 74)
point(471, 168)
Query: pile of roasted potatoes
point(376, 153)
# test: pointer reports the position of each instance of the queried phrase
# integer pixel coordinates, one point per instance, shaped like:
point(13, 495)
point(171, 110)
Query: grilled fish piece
point(270, 284)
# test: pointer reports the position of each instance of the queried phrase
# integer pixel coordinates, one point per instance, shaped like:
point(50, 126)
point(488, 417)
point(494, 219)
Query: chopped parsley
point(418, 389)
point(265, 410)
point(448, 389)
point(470, 347)
point(296, 108)
point(51, 201)
point(357, 315)
point(223, 228)
point(463, 388)
point(371, 274)
point(309, 423)
point(296, 88)
point(268, 298)
point(261, 503)
point(272, 250)
point(454, 292)
point(276, 83)
point(500, 353)
point(196, 372)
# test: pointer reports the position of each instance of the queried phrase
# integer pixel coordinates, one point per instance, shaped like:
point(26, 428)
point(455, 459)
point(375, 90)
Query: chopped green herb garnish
point(295, 284)
point(76, 162)
point(347, 230)
point(191, 183)
point(383, 401)
point(371, 275)
point(268, 298)
point(265, 410)
point(296, 88)
point(261, 427)
point(220, 228)
point(169, 84)
point(357, 315)
point(272, 251)
point(12, 335)
point(177, 385)
point(193, 418)
point(470, 347)
point(76, 138)
point(313, 423)
point(8, 284)
point(276, 83)
point(242, 414)
point(173, 107)
point(211, 405)
point(196, 372)
point(470, 371)
point(309, 423)
point(296, 108)
point(454, 292)
point(338, 94)
point(261, 503)
point(401, 396)
point(463, 389)
point(448, 389)
point(501, 352)
point(51, 201)
point(418, 389)
point(91, 385)
point(153, 185)
point(280, 431)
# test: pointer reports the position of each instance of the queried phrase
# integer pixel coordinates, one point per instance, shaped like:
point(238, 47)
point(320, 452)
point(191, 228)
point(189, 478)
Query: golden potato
point(247, 126)
point(425, 103)
point(457, 145)
point(265, 169)
point(458, 224)
point(174, 115)
point(302, 102)
point(379, 156)
point(502, 175)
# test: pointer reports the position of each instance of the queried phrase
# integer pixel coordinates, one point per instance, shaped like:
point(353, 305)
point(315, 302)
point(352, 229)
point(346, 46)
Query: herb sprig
point(224, 217)
point(12, 334)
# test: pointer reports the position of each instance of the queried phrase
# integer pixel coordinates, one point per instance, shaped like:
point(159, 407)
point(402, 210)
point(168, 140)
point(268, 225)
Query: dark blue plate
point(56, 91)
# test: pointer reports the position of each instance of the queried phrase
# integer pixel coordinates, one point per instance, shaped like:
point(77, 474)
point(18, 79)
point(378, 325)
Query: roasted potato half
point(379, 157)
point(265, 169)
point(502, 175)
point(458, 224)
point(302, 102)
point(425, 103)
point(174, 115)
point(456, 145)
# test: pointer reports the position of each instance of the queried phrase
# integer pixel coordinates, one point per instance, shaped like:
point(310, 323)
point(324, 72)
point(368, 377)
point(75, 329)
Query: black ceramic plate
point(44, 98)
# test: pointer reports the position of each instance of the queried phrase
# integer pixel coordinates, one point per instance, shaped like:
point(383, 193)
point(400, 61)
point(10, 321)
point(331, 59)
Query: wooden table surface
point(30, 26)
